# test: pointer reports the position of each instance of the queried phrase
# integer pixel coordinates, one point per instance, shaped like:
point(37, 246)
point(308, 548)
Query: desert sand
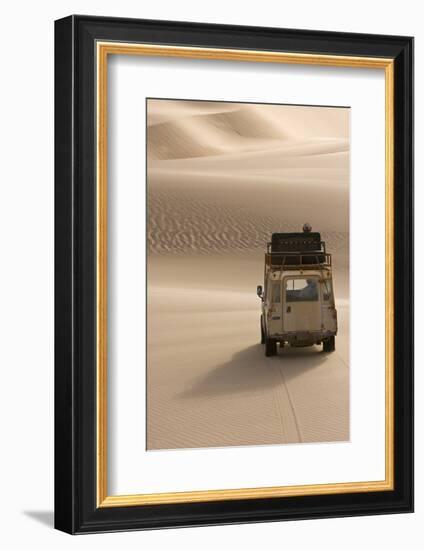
point(221, 177)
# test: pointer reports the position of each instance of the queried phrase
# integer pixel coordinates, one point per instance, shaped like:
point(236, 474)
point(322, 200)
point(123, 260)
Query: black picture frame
point(76, 510)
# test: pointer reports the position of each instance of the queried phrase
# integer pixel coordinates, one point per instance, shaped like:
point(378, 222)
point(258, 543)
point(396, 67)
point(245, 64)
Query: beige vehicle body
point(298, 306)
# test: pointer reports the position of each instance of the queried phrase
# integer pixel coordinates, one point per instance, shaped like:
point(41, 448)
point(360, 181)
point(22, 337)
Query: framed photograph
point(234, 274)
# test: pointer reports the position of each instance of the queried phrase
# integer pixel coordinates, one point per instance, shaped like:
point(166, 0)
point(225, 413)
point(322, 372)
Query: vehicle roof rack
point(288, 260)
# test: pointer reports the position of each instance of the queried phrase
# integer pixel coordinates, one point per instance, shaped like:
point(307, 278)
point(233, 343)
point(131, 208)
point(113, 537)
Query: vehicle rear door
point(301, 304)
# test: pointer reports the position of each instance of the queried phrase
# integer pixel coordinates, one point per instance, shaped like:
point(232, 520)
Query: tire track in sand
point(284, 406)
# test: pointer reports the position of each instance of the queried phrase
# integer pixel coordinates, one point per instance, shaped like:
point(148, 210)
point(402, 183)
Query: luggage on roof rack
point(296, 242)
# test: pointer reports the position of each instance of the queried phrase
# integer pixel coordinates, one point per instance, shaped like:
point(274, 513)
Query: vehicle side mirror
point(259, 291)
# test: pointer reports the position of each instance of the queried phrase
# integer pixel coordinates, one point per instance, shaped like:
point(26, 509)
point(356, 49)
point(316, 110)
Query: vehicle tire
point(270, 347)
point(329, 345)
point(262, 333)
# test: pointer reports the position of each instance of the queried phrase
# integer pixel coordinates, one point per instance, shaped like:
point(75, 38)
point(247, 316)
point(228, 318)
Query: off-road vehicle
point(297, 298)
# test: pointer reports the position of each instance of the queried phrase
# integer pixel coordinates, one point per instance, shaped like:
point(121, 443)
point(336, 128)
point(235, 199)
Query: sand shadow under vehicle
point(249, 371)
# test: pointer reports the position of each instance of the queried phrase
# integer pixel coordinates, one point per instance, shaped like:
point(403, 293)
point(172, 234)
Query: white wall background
point(26, 272)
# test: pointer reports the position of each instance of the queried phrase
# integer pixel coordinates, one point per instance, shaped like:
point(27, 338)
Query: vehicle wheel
point(262, 333)
point(270, 347)
point(329, 344)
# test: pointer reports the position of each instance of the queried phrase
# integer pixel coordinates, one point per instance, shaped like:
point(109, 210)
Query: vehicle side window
point(275, 292)
point(327, 291)
point(301, 290)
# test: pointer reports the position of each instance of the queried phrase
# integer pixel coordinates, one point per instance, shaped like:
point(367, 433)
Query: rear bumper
point(307, 338)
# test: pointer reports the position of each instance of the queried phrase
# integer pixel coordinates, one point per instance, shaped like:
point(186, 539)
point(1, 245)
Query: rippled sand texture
point(221, 178)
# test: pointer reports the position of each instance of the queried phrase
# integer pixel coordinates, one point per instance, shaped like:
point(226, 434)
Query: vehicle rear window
point(301, 290)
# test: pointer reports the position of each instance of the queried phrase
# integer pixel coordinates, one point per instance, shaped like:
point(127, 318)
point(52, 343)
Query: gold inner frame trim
point(103, 50)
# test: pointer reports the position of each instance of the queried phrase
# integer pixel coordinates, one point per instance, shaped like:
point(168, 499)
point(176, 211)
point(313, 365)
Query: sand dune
point(296, 120)
point(217, 182)
point(164, 110)
point(183, 222)
point(328, 154)
point(209, 213)
point(213, 134)
point(221, 177)
point(208, 130)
